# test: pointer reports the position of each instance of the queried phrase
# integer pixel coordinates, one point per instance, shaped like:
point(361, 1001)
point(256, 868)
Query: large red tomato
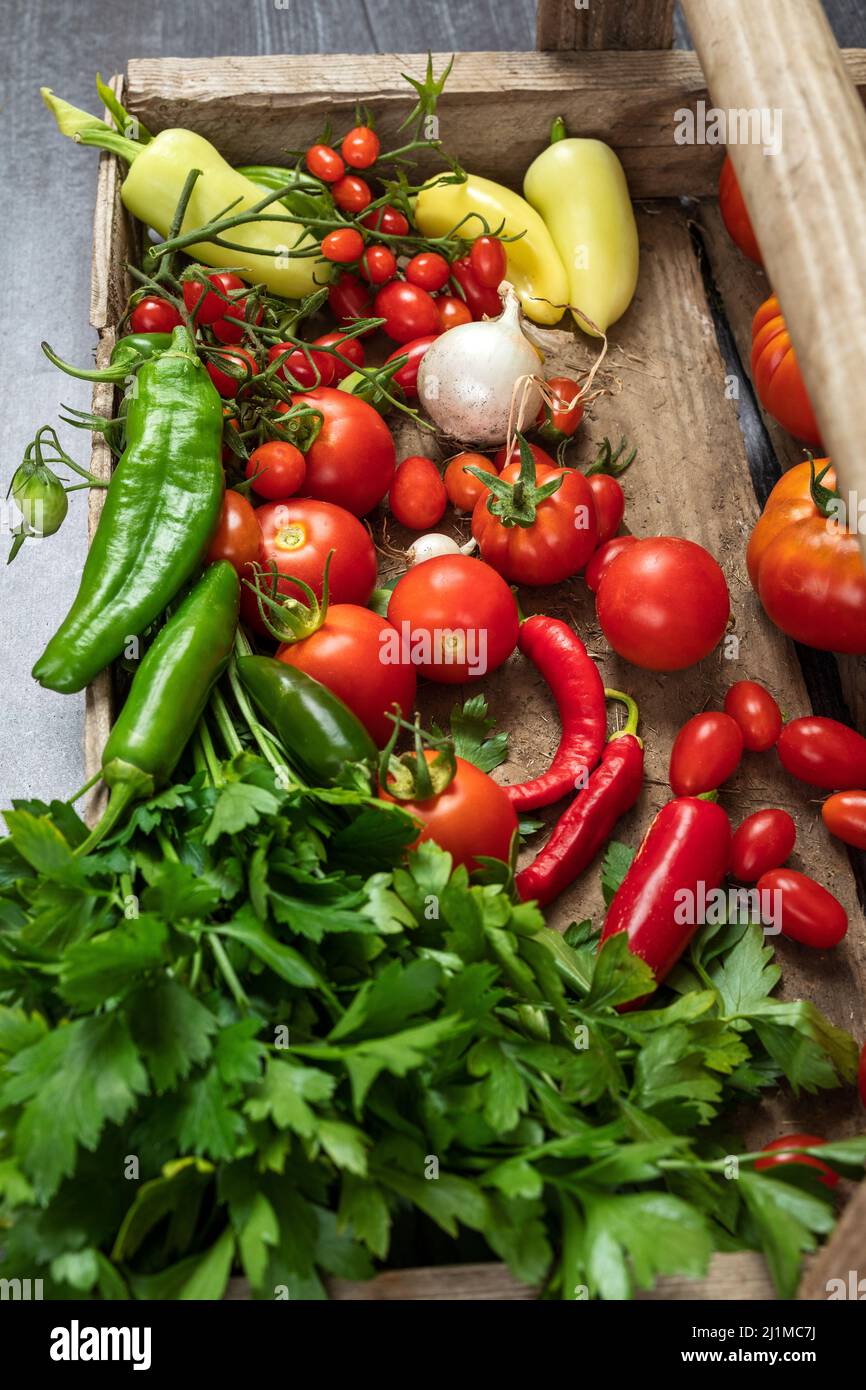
point(735, 214)
point(355, 655)
point(556, 536)
point(458, 616)
point(471, 817)
point(663, 603)
point(776, 375)
point(352, 460)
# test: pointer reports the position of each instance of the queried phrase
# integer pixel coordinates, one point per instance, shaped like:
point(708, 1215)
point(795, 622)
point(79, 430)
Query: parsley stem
point(225, 723)
point(229, 975)
point(205, 743)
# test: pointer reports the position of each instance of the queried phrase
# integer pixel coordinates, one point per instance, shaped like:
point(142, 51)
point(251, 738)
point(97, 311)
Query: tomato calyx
point(517, 503)
point(409, 776)
point(825, 498)
point(632, 715)
point(289, 619)
point(610, 461)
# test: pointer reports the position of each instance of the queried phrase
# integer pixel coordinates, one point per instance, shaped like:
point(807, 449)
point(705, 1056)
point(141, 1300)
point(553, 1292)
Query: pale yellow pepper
point(534, 267)
point(580, 189)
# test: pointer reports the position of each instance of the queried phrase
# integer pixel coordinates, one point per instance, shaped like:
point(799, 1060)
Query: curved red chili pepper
point(683, 856)
point(588, 822)
point(558, 653)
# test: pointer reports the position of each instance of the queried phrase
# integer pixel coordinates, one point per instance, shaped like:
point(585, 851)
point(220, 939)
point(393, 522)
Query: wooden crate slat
point(563, 25)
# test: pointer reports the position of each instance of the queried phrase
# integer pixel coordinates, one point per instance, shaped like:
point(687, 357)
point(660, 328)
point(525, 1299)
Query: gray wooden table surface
point(44, 284)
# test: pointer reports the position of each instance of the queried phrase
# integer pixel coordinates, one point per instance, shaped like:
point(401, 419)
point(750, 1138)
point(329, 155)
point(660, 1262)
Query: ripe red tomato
point(378, 265)
point(417, 497)
point(210, 308)
point(229, 332)
point(298, 535)
point(351, 653)
point(387, 220)
point(559, 420)
point(239, 357)
point(735, 215)
point(663, 603)
point(409, 312)
point(761, 842)
point(603, 557)
point(481, 299)
point(462, 488)
point(706, 752)
point(779, 1149)
point(360, 148)
point(823, 753)
point(488, 261)
point(540, 455)
point(776, 375)
point(309, 368)
point(325, 164)
point(407, 377)
point(351, 462)
point(809, 912)
point(350, 299)
point(609, 501)
point(352, 348)
point(757, 714)
point(281, 469)
point(844, 815)
point(458, 615)
point(471, 818)
point(555, 545)
point(154, 315)
point(452, 312)
point(351, 194)
point(237, 537)
point(429, 270)
point(343, 245)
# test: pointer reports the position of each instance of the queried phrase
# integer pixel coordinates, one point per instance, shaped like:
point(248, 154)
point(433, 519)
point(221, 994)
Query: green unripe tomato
point(40, 497)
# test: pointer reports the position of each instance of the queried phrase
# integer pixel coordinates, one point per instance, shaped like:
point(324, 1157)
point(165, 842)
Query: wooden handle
point(565, 25)
point(807, 202)
point(839, 1267)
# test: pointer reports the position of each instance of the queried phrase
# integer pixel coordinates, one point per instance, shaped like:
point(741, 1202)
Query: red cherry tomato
point(464, 489)
point(407, 377)
point(238, 357)
point(823, 753)
point(458, 615)
point(346, 654)
point(360, 148)
point(757, 714)
point(761, 842)
point(309, 368)
point(560, 419)
point(609, 500)
point(347, 347)
point(351, 461)
point(482, 300)
point(230, 332)
point(809, 913)
point(472, 818)
point(343, 245)
point(409, 312)
point(350, 299)
point(325, 164)
point(299, 533)
point(452, 312)
point(238, 537)
point(542, 458)
point(211, 307)
point(489, 262)
point(603, 557)
point(281, 469)
point(154, 315)
point(387, 220)
point(429, 270)
point(378, 265)
point(706, 752)
point(351, 194)
point(735, 216)
point(417, 495)
point(844, 815)
point(780, 1147)
point(663, 603)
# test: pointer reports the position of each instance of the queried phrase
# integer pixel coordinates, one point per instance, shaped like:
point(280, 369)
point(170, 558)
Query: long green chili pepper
point(160, 512)
point(168, 694)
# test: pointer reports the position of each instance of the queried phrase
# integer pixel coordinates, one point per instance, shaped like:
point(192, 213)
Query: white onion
point(434, 544)
point(467, 378)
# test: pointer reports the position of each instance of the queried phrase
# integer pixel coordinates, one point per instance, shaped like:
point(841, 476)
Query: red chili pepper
point(682, 858)
point(588, 823)
point(480, 298)
point(558, 653)
point(780, 1149)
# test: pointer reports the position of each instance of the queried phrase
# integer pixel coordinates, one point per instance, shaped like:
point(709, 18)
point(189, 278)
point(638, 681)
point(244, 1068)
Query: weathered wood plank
point(565, 26)
point(494, 116)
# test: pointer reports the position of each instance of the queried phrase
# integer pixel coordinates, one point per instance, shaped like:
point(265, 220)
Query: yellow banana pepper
point(152, 189)
point(579, 188)
point(534, 266)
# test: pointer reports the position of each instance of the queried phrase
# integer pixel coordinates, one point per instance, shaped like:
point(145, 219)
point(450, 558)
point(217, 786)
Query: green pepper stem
point(632, 713)
point(85, 129)
point(558, 130)
point(121, 796)
point(86, 788)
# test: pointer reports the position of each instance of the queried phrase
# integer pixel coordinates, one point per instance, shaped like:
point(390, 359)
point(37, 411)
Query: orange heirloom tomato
point(776, 375)
point(806, 567)
point(735, 214)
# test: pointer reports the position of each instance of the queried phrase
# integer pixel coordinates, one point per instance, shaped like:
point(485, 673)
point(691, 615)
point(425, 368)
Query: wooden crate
point(668, 391)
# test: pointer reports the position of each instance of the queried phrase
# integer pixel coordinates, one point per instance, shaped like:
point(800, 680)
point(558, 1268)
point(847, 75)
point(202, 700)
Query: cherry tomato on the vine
point(417, 495)
point(761, 842)
point(429, 270)
point(351, 194)
point(463, 488)
point(706, 752)
point(238, 537)
point(452, 312)
point(310, 368)
point(325, 163)
point(471, 818)
point(343, 245)
point(350, 299)
point(281, 468)
point(351, 461)
point(154, 315)
point(378, 265)
point(844, 815)
point(488, 260)
point(352, 348)
point(482, 300)
point(560, 419)
point(387, 220)
point(226, 331)
point(809, 912)
point(757, 714)
point(603, 557)
point(238, 357)
point(205, 306)
point(360, 148)
point(409, 312)
point(609, 500)
point(779, 1149)
point(407, 377)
